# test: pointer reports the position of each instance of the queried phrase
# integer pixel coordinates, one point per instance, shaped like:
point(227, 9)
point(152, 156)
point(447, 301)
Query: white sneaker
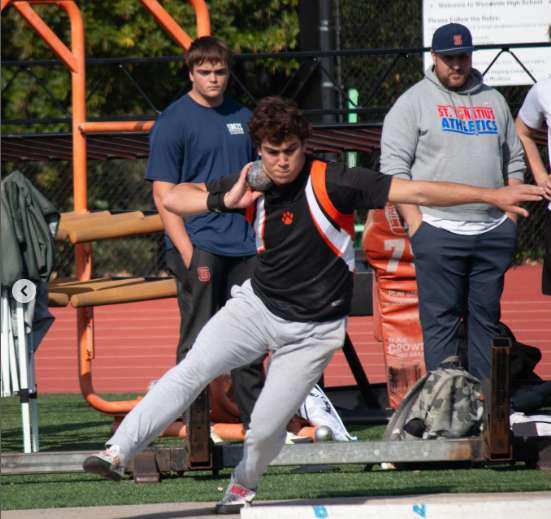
point(292, 439)
point(235, 498)
point(108, 464)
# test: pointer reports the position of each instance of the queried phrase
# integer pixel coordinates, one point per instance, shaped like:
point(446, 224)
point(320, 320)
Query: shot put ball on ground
point(323, 433)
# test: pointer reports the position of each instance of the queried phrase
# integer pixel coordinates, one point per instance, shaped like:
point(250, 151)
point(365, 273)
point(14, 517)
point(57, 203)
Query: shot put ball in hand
point(257, 178)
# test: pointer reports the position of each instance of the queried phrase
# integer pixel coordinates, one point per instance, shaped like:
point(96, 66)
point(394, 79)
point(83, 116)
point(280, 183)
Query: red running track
point(135, 343)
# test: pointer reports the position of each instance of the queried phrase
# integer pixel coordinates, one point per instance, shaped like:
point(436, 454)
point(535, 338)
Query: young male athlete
point(297, 302)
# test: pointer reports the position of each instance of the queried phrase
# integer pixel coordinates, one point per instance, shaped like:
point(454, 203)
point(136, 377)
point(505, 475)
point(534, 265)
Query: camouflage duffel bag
point(445, 403)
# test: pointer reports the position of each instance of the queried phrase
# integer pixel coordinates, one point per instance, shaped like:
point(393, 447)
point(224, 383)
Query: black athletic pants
point(202, 289)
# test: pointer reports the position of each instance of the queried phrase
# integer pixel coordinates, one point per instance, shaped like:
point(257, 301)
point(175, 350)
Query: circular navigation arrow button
point(23, 291)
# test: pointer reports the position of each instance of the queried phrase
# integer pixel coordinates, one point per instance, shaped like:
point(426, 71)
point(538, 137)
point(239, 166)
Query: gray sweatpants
point(243, 330)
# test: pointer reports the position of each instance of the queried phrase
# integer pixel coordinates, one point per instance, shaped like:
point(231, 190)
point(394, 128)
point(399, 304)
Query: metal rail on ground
point(533, 450)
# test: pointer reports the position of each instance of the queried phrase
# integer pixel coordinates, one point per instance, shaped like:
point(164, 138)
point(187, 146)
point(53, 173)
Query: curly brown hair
point(275, 120)
point(210, 50)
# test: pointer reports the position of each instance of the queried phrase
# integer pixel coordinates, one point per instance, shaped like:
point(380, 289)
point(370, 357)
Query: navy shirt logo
point(235, 129)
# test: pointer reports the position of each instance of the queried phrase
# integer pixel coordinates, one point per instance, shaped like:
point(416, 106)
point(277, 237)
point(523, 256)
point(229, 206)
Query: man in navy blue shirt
point(202, 137)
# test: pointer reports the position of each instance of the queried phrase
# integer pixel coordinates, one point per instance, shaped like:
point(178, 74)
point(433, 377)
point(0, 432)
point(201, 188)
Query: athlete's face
point(209, 83)
point(453, 71)
point(283, 162)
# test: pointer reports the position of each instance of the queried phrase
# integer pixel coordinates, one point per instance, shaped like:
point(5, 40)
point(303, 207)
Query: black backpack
point(523, 357)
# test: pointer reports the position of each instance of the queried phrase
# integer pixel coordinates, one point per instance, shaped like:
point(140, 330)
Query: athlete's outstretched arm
point(445, 194)
point(191, 199)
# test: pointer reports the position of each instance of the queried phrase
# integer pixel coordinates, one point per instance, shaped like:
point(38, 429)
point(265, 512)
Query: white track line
point(538, 508)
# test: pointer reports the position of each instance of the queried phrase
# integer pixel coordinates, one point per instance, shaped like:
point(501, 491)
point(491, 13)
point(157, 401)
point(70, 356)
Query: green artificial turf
point(67, 422)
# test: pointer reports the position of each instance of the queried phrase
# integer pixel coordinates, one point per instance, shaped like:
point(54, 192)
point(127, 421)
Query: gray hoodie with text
point(432, 133)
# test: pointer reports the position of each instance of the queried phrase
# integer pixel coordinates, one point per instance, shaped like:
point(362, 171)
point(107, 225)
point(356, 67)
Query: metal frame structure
point(150, 465)
point(74, 60)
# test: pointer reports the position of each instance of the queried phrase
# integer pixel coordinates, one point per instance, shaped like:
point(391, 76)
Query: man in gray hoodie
point(451, 127)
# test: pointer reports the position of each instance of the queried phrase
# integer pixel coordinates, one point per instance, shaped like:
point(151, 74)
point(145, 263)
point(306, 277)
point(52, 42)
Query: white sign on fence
point(494, 22)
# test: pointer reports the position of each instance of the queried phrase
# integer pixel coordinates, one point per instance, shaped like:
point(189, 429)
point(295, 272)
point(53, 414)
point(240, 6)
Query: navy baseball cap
point(451, 39)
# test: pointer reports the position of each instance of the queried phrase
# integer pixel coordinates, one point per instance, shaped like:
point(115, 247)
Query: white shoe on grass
point(235, 498)
point(108, 464)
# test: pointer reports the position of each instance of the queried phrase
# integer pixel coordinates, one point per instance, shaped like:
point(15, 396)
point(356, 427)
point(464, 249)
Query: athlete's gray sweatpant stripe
point(239, 333)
